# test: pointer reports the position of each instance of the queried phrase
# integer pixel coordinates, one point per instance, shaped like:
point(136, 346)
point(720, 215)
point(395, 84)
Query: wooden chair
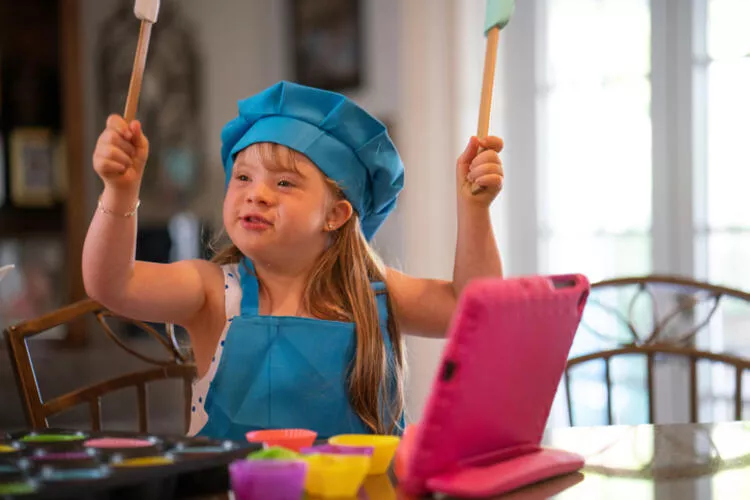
point(37, 411)
point(674, 310)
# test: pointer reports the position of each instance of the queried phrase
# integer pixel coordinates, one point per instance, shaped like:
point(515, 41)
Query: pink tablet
point(506, 352)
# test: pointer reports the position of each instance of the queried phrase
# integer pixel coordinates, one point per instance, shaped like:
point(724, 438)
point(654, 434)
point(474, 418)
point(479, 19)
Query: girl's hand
point(120, 154)
point(484, 169)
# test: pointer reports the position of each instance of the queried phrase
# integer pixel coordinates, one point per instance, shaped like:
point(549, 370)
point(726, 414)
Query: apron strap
point(381, 298)
point(249, 284)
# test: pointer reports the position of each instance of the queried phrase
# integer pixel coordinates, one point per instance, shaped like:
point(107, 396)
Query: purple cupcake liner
point(268, 479)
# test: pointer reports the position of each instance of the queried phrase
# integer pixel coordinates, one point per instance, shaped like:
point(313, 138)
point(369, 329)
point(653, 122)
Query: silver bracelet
point(103, 210)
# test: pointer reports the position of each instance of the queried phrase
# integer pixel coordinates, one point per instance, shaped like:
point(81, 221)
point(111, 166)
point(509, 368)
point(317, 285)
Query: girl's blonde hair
point(339, 289)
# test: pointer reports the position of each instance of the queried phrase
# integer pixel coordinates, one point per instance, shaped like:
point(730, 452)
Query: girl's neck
point(282, 288)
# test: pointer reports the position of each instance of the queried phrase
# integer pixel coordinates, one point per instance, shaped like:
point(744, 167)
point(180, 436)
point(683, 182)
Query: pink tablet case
point(490, 401)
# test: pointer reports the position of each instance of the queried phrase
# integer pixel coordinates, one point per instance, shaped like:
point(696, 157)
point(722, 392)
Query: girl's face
point(279, 205)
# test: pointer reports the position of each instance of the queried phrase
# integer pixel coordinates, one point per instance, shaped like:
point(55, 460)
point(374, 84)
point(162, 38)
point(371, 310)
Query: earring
point(330, 226)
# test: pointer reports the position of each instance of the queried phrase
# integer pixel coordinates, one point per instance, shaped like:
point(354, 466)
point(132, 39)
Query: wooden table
point(680, 461)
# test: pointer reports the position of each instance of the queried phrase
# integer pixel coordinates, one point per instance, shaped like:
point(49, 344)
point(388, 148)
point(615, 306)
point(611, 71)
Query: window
point(595, 138)
point(595, 163)
point(722, 231)
point(727, 167)
point(626, 124)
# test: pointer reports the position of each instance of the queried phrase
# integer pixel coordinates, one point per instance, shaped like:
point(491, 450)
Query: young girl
point(296, 324)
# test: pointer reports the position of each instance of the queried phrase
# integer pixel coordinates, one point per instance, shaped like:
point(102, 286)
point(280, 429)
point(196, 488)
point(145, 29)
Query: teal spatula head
point(498, 13)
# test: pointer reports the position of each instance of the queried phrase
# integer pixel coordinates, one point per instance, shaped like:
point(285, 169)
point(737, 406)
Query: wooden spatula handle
point(139, 65)
point(488, 82)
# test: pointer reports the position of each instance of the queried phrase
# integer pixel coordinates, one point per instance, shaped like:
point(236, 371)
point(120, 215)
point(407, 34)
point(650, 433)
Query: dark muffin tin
point(63, 464)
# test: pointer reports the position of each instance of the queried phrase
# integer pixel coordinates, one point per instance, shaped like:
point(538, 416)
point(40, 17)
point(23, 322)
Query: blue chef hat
point(348, 144)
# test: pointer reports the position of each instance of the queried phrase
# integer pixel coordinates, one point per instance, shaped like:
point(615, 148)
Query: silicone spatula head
point(147, 10)
point(498, 13)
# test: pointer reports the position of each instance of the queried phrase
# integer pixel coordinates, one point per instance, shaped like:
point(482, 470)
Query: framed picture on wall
point(33, 157)
point(327, 43)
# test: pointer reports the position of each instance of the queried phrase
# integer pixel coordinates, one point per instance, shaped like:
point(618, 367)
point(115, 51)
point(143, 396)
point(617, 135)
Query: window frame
point(679, 115)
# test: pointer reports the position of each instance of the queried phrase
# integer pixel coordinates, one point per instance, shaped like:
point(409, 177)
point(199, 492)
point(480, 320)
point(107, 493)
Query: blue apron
point(281, 372)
